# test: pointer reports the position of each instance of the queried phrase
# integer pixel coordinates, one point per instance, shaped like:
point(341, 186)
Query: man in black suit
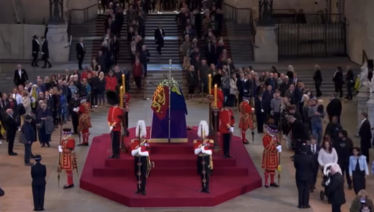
point(344, 149)
point(144, 58)
point(35, 51)
point(304, 166)
point(45, 53)
point(38, 174)
point(365, 135)
point(159, 38)
point(115, 49)
point(334, 108)
point(20, 76)
point(299, 135)
point(81, 50)
point(11, 131)
point(335, 189)
point(5, 103)
point(313, 150)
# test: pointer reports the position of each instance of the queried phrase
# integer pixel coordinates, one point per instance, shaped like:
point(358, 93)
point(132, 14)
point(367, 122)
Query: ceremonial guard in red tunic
point(220, 98)
point(270, 160)
point(67, 160)
point(226, 128)
point(84, 126)
point(245, 122)
point(140, 151)
point(115, 117)
point(203, 149)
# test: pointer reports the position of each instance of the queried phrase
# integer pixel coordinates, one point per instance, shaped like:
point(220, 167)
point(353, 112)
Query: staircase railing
point(82, 15)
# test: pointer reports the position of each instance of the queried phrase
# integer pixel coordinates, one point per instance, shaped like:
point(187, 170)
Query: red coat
point(226, 119)
point(208, 145)
point(68, 159)
point(115, 115)
point(144, 146)
point(270, 154)
point(245, 121)
point(220, 97)
point(110, 83)
point(138, 70)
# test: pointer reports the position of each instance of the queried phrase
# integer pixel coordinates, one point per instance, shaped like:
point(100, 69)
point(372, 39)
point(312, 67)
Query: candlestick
point(123, 80)
point(215, 95)
point(121, 96)
point(210, 84)
point(124, 84)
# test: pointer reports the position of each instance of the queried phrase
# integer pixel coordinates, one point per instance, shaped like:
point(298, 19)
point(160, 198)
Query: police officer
point(74, 103)
point(38, 174)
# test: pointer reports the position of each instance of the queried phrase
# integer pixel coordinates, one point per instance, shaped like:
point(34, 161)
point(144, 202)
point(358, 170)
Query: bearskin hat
point(112, 97)
point(217, 80)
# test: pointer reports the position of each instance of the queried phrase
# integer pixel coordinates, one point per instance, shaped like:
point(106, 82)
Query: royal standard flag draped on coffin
point(178, 112)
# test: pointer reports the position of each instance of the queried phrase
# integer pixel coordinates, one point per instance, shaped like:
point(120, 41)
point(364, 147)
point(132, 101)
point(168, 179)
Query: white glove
point(110, 128)
point(279, 148)
point(231, 129)
point(59, 148)
point(75, 110)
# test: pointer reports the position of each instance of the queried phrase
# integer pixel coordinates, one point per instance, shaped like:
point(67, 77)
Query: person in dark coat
point(38, 174)
point(313, 150)
point(115, 49)
point(11, 130)
point(334, 108)
point(41, 118)
point(299, 135)
point(260, 113)
point(144, 58)
point(75, 103)
point(335, 189)
point(191, 81)
point(304, 166)
point(35, 51)
point(81, 51)
point(333, 128)
point(159, 38)
point(344, 149)
point(338, 81)
point(29, 134)
point(349, 80)
point(20, 76)
point(365, 135)
point(318, 80)
point(45, 53)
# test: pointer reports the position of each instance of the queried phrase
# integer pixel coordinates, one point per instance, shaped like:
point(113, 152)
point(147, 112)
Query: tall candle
point(210, 84)
point(123, 80)
point(121, 96)
point(215, 95)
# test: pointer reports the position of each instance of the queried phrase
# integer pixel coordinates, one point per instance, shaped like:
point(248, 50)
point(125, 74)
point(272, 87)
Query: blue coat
point(362, 163)
point(28, 131)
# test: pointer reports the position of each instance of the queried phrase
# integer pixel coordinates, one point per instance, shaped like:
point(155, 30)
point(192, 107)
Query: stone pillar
point(58, 43)
point(362, 102)
point(266, 47)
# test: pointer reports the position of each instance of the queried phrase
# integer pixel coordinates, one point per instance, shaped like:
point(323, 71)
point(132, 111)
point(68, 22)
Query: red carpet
point(174, 181)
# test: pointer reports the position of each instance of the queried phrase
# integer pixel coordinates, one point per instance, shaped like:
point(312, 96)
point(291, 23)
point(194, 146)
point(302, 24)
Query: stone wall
point(360, 29)
point(16, 40)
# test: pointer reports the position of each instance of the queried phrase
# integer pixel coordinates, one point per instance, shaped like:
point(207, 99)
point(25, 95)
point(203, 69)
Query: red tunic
point(110, 83)
point(68, 160)
point(115, 115)
point(84, 116)
point(127, 102)
point(245, 116)
point(220, 97)
point(270, 154)
point(208, 144)
point(227, 120)
point(144, 145)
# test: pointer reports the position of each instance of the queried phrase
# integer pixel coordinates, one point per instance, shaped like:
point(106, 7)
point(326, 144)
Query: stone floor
point(15, 178)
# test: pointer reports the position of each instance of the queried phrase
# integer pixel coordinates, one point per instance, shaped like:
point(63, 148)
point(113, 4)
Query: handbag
point(22, 138)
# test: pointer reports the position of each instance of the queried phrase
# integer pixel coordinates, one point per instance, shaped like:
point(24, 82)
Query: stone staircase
point(171, 42)
point(241, 46)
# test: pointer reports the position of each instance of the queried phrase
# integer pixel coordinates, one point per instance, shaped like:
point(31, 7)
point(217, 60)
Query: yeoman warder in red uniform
point(270, 159)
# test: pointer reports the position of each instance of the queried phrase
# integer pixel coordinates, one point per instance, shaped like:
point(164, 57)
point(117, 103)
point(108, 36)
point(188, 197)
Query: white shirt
point(313, 148)
point(37, 41)
point(161, 32)
point(326, 158)
point(362, 122)
point(20, 73)
point(82, 45)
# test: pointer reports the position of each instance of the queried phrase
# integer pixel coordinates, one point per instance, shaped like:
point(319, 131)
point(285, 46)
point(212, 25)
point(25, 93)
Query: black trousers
point(345, 170)
point(75, 121)
point(318, 88)
point(94, 98)
point(191, 89)
point(359, 181)
point(46, 61)
point(276, 118)
point(339, 89)
point(365, 151)
point(138, 82)
point(315, 174)
point(335, 207)
point(140, 167)
point(38, 196)
point(215, 121)
point(303, 190)
point(116, 136)
point(349, 90)
point(10, 143)
point(80, 61)
point(203, 167)
point(260, 122)
point(34, 59)
point(226, 143)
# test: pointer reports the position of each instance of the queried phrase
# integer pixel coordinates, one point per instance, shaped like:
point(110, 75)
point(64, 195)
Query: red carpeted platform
point(174, 181)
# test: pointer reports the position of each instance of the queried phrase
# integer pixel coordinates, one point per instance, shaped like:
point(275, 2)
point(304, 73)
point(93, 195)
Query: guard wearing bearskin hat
point(140, 151)
point(203, 149)
point(84, 110)
point(217, 80)
point(67, 160)
point(226, 128)
point(270, 160)
point(115, 117)
point(245, 121)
